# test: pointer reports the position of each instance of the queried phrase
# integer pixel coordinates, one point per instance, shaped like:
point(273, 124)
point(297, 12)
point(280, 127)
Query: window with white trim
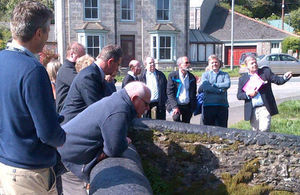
point(92, 42)
point(163, 10)
point(91, 9)
point(127, 10)
point(199, 52)
point(163, 47)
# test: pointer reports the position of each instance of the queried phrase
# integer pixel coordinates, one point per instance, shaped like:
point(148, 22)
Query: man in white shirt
point(181, 92)
point(156, 81)
point(260, 103)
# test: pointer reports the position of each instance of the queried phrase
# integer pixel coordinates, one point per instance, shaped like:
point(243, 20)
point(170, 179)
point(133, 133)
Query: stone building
point(157, 28)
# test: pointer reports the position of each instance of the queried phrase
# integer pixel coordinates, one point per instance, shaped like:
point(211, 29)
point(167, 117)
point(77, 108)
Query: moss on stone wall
point(177, 163)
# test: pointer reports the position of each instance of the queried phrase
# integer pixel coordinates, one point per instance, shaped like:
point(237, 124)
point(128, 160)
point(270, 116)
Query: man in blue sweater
point(100, 131)
point(29, 127)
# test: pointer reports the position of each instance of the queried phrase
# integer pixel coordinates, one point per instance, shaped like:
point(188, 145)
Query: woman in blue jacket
point(214, 85)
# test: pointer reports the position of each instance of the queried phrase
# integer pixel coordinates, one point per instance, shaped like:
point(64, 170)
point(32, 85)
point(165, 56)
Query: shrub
point(291, 43)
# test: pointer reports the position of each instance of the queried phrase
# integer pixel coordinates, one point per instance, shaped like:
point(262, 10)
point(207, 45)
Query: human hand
point(128, 140)
point(251, 93)
point(288, 75)
point(176, 111)
point(101, 157)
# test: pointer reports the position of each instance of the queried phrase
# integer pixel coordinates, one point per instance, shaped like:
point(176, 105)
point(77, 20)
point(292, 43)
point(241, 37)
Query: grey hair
point(213, 56)
point(180, 60)
point(27, 18)
point(248, 58)
point(137, 88)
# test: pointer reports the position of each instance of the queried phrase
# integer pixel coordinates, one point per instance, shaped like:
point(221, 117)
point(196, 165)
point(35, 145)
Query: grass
point(286, 122)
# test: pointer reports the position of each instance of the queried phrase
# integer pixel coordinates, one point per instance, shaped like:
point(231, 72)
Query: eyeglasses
point(146, 103)
point(187, 62)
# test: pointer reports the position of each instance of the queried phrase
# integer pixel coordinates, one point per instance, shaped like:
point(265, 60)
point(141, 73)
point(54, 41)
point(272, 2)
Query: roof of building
point(197, 36)
point(245, 28)
point(164, 27)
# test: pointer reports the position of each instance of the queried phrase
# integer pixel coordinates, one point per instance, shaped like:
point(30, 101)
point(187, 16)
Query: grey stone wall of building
point(222, 150)
point(144, 21)
point(122, 175)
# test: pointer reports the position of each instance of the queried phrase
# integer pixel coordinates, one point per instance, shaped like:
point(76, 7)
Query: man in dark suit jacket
point(135, 70)
point(87, 88)
point(89, 85)
point(181, 92)
point(157, 82)
point(260, 103)
point(67, 73)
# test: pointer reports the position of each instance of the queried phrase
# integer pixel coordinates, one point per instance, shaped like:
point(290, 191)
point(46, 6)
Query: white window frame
point(169, 15)
point(157, 47)
point(133, 11)
point(98, 11)
point(82, 38)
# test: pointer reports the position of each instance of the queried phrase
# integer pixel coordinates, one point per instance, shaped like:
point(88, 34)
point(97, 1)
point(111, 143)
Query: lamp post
point(232, 14)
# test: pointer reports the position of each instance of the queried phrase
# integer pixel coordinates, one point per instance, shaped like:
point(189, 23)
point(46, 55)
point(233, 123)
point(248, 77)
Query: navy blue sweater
point(101, 127)
point(29, 128)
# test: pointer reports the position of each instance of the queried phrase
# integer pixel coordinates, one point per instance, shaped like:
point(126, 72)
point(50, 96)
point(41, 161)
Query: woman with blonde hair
point(52, 69)
point(83, 62)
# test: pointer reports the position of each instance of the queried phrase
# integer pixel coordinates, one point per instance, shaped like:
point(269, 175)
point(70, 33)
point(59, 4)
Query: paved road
point(288, 91)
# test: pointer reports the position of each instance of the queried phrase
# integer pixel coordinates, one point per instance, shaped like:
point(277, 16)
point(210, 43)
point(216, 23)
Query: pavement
point(288, 91)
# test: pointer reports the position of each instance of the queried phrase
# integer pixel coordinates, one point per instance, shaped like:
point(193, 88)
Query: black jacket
point(265, 91)
point(162, 86)
point(127, 79)
point(64, 79)
point(87, 88)
point(172, 88)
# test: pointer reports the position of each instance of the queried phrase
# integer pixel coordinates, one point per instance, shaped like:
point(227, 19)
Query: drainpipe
point(142, 29)
point(115, 21)
point(60, 28)
point(187, 27)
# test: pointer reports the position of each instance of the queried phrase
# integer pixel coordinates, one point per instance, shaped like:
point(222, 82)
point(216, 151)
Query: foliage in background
point(291, 43)
point(238, 8)
point(262, 8)
point(5, 35)
point(7, 6)
point(287, 121)
point(295, 19)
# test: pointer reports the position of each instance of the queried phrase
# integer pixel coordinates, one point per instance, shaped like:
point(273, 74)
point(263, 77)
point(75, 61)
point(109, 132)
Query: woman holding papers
point(255, 88)
point(214, 84)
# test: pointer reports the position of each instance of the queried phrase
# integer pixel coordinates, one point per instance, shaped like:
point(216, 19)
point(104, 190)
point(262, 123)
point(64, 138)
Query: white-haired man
point(260, 103)
point(100, 131)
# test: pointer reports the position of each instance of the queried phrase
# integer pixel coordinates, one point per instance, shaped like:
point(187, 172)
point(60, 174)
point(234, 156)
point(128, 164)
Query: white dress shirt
point(184, 97)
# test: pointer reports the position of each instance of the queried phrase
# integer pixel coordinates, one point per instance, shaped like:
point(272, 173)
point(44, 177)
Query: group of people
point(40, 140)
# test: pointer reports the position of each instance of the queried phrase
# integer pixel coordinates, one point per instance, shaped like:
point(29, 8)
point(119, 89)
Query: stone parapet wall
point(122, 175)
point(206, 157)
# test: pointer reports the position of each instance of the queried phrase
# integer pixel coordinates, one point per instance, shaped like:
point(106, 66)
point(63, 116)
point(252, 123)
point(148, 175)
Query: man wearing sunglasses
point(181, 92)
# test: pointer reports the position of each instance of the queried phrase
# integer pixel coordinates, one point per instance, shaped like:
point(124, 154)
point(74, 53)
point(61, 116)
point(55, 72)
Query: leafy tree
point(295, 19)
point(7, 6)
point(5, 35)
point(291, 43)
point(239, 9)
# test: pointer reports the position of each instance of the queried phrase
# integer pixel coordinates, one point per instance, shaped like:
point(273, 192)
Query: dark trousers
point(215, 115)
point(156, 111)
point(185, 113)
